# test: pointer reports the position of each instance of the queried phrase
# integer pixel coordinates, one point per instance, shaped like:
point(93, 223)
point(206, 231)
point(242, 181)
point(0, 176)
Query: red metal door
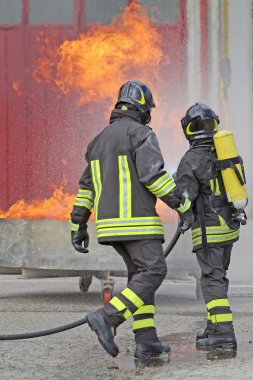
point(42, 131)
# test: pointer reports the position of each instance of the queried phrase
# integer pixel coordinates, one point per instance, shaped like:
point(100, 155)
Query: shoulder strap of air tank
point(202, 224)
point(215, 202)
point(231, 163)
point(214, 159)
point(201, 215)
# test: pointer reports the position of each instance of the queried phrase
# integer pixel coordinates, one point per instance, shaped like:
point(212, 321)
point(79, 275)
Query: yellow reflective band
point(127, 314)
point(217, 190)
point(222, 221)
point(159, 182)
point(84, 200)
point(215, 234)
point(119, 305)
point(74, 227)
point(219, 318)
point(208, 316)
point(131, 222)
point(81, 202)
point(125, 188)
point(187, 130)
point(145, 309)
point(132, 297)
point(132, 219)
point(131, 232)
point(96, 179)
point(132, 229)
point(216, 125)
point(143, 323)
point(121, 189)
point(222, 302)
point(83, 193)
point(217, 238)
point(142, 100)
point(166, 188)
point(185, 206)
point(84, 196)
point(213, 231)
point(161, 186)
point(132, 226)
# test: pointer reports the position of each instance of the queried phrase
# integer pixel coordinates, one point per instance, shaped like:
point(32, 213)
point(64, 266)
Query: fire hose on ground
point(82, 321)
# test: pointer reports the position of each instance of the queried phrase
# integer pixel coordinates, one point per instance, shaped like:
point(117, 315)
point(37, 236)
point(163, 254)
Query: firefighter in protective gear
point(215, 229)
point(122, 181)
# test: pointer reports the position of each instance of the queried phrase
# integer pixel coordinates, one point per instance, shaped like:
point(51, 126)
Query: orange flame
point(106, 56)
point(58, 207)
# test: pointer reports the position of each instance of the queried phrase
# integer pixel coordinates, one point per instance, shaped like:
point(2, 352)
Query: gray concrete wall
point(45, 244)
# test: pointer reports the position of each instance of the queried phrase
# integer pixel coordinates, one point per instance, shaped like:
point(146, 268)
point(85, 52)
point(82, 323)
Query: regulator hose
point(82, 321)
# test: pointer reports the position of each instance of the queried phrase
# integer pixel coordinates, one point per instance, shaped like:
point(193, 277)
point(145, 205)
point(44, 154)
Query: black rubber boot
point(222, 337)
point(208, 331)
point(148, 350)
point(104, 331)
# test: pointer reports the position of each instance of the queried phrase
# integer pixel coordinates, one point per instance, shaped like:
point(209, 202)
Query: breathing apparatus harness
point(213, 203)
point(239, 214)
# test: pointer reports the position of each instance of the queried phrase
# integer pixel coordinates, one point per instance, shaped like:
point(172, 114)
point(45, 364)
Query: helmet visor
point(198, 126)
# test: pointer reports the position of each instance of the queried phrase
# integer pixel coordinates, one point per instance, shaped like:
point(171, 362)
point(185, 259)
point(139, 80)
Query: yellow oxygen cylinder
point(233, 177)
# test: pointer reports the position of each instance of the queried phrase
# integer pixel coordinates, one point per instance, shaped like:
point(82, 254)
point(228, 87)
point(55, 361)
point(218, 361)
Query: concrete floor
point(36, 304)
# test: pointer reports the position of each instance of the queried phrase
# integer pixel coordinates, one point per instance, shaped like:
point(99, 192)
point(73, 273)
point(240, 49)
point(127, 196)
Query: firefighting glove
point(80, 239)
point(187, 219)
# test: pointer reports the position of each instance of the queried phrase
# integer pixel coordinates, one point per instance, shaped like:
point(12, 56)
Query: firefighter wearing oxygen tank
point(211, 175)
point(122, 181)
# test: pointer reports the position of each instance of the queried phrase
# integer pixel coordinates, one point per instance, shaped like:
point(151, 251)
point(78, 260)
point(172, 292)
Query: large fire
point(99, 61)
point(94, 66)
point(58, 206)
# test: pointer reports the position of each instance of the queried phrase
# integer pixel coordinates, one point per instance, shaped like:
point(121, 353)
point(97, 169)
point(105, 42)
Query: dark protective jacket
point(198, 179)
point(122, 181)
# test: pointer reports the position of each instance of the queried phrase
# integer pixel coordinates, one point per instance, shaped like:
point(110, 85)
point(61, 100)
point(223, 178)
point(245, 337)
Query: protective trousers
point(147, 269)
point(214, 286)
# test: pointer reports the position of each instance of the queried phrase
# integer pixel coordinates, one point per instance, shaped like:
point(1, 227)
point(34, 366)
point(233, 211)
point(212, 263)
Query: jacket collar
point(119, 114)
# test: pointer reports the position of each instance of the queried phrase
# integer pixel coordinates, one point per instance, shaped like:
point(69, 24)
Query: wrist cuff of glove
point(74, 227)
point(78, 227)
point(184, 206)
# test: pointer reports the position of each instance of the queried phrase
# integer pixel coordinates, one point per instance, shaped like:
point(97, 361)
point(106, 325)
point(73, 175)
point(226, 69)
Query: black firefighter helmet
point(200, 122)
point(137, 94)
